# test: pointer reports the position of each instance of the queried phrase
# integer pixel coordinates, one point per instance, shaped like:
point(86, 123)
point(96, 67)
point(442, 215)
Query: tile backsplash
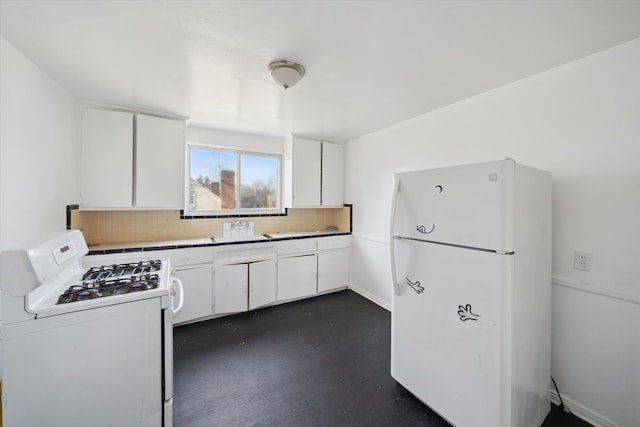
point(101, 227)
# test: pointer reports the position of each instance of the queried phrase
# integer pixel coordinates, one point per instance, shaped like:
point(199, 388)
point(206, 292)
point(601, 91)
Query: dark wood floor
point(323, 361)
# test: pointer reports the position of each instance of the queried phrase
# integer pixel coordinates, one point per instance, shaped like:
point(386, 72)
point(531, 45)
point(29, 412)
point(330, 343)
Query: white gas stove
point(59, 319)
point(102, 286)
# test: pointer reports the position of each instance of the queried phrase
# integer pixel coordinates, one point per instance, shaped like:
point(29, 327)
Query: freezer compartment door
point(448, 330)
point(466, 205)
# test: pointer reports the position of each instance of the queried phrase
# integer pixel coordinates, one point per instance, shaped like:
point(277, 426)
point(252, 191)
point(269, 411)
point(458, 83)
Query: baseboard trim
point(368, 295)
point(580, 411)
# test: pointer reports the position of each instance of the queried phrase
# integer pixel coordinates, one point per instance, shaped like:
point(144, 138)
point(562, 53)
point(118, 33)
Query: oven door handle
point(178, 293)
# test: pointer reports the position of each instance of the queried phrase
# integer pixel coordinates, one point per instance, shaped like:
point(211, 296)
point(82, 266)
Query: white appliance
point(471, 264)
point(86, 348)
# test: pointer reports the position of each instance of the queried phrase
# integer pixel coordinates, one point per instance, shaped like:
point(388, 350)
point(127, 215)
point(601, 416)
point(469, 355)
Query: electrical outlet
point(582, 261)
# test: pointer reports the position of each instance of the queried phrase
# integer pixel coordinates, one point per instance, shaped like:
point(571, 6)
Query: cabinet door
point(160, 151)
point(231, 288)
point(107, 159)
point(333, 270)
point(262, 283)
point(306, 172)
point(198, 292)
point(332, 175)
point(297, 276)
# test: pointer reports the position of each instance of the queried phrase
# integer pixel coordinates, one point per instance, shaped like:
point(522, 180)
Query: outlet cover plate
point(582, 261)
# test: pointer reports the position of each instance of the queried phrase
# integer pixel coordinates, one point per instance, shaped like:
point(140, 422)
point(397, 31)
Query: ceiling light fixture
point(286, 73)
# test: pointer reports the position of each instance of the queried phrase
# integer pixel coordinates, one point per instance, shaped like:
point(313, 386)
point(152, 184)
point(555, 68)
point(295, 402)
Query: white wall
point(235, 140)
point(38, 152)
point(582, 122)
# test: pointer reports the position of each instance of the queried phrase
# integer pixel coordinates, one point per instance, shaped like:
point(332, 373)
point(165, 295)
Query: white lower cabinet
point(297, 276)
point(262, 283)
point(244, 286)
point(194, 268)
point(334, 263)
point(198, 292)
point(231, 288)
point(237, 278)
point(333, 270)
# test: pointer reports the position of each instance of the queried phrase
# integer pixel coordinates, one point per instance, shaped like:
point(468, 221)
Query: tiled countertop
point(110, 248)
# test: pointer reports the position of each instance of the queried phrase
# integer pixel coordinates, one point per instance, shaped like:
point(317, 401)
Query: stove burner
point(119, 270)
point(115, 279)
point(91, 289)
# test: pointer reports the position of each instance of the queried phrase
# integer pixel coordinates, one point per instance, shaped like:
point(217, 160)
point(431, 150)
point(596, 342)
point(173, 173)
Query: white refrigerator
point(471, 264)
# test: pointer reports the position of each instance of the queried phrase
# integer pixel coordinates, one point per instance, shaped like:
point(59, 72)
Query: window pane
point(212, 183)
point(258, 182)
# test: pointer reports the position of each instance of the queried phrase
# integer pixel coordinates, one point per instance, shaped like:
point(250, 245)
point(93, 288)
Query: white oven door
point(100, 367)
point(168, 367)
point(177, 302)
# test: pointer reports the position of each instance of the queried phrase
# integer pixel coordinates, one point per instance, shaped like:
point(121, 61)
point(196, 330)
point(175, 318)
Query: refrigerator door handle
point(396, 189)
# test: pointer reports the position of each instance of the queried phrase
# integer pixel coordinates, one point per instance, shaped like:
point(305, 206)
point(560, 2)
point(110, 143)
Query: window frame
point(238, 211)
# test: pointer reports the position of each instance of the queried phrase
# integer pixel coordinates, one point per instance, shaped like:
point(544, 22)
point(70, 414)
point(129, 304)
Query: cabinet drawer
point(327, 243)
point(297, 247)
point(180, 257)
point(243, 255)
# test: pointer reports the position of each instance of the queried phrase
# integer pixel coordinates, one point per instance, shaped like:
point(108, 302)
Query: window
point(227, 182)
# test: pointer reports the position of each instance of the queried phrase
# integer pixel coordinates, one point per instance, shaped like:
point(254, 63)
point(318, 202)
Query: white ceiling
point(369, 64)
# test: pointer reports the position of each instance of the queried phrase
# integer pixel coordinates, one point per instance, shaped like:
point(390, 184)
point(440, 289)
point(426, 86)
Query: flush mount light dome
point(286, 73)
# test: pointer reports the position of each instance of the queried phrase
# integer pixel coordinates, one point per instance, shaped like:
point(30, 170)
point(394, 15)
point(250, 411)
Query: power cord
point(567, 410)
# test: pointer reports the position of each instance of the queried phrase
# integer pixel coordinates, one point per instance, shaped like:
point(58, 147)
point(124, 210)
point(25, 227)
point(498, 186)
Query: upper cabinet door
point(318, 174)
point(307, 156)
point(107, 156)
point(332, 175)
point(160, 151)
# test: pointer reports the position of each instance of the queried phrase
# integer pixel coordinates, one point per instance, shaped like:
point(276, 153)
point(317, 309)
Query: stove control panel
point(64, 252)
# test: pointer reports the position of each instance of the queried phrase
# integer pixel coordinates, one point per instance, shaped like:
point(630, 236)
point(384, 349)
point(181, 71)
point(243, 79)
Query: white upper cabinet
point(317, 174)
point(131, 160)
point(332, 175)
point(107, 159)
point(159, 162)
point(307, 156)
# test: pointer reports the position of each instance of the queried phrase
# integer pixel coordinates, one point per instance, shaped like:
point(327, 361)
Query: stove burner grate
point(92, 289)
point(119, 270)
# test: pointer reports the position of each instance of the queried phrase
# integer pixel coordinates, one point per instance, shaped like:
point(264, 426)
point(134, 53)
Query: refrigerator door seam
point(453, 245)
